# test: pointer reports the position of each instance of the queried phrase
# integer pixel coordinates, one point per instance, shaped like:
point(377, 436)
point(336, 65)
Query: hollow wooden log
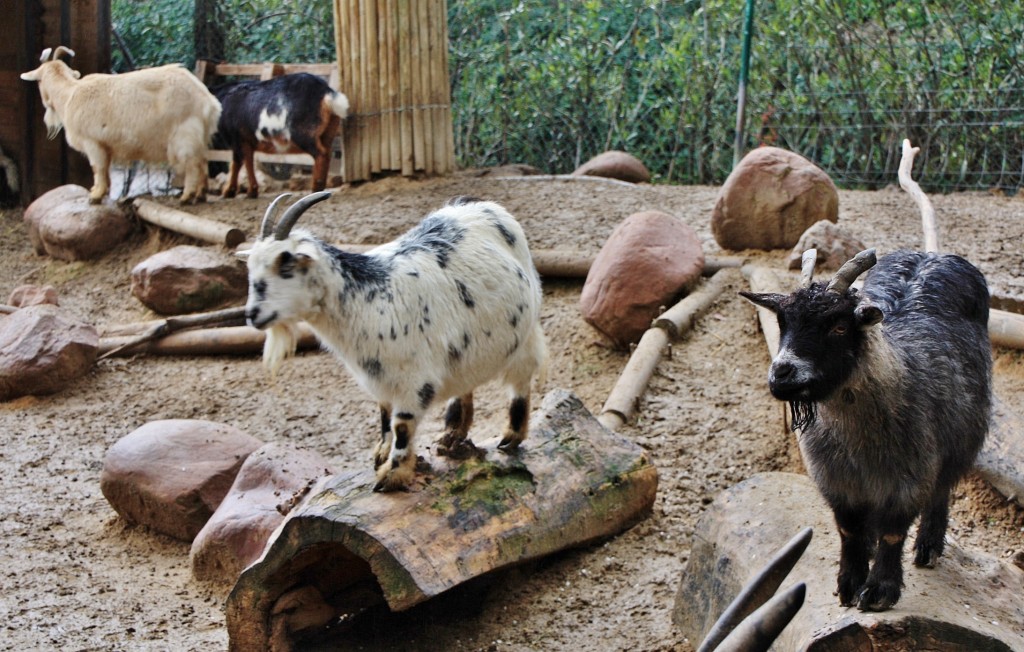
point(193, 226)
point(570, 483)
point(231, 340)
point(1006, 329)
point(672, 324)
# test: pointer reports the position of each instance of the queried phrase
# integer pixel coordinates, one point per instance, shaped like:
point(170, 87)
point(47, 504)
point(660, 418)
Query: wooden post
point(345, 547)
point(393, 64)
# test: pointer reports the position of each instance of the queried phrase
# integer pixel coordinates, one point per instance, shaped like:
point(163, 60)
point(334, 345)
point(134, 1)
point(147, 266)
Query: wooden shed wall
point(28, 27)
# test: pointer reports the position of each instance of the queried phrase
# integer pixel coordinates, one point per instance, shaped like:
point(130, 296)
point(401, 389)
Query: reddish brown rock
point(44, 205)
point(42, 350)
point(63, 224)
point(650, 260)
point(271, 481)
point(33, 295)
point(171, 475)
point(770, 199)
point(189, 279)
point(835, 246)
point(614, 164)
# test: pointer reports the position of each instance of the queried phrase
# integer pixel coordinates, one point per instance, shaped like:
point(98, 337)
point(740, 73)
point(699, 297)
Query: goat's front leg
point(383, 448)
point(458, 417)
point(854, 552)
point(885, 581)
point(399, 468)
point(99, 161)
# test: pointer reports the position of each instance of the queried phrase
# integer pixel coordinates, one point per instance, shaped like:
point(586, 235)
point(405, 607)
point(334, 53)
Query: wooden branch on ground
point(931, 232)
point(193, 226)
point(672, 324)
point(165, 327)
point(345, 548)
point(230, 340)
point(569, 263)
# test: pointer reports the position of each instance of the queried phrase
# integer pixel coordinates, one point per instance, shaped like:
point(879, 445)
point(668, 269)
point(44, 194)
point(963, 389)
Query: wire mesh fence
point(841, 82)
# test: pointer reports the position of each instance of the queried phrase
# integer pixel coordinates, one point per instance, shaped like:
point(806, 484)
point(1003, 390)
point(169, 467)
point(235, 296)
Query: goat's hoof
point(394, 475)
point(509, 444)
point(926, 556)
point(878, 597)
point(460, 449)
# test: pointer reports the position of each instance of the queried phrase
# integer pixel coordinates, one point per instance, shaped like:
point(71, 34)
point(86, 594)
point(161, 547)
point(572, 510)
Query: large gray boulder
point(969, 601)
point(771, 197)
point(187, 279)
point(63, 224)
point(271, 481)
point(171, 475)
point(42, 350)
point(650, 260)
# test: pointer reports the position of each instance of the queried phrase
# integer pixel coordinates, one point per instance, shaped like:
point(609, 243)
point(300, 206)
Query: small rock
point(33, 295)
point(63, 224)
point(189, 279)
point(614, 164)
point(770, 199)
point(650, 260)
point(834, 244)
point(271, 481)
point(171, 475)
point(42, 350)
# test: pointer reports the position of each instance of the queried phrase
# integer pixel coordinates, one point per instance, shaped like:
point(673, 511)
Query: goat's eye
point(838, 329)
point(286, 265)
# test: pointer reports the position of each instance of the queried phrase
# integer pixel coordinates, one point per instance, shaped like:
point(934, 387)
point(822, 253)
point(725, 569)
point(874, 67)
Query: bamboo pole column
point(393, 66)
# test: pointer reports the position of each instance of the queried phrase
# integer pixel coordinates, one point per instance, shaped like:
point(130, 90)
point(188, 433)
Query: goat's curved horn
point(45, 56)
point(61, 50)
point(807, 263)
point(295, 211)
point(850, 270)
point(268, 218)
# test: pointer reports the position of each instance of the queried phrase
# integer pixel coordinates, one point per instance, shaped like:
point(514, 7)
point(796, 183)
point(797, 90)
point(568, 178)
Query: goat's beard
point(281, 342)
point(802, 414)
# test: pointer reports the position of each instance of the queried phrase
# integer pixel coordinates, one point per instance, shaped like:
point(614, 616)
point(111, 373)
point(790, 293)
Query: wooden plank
point(405, 86)
point(419, 63)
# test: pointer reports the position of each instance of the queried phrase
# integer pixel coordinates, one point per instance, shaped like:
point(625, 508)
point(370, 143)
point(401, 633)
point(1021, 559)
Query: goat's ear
point(768, 300)
point(867, 314)
point(244, 254)
point(31, 75)
point(77, 74)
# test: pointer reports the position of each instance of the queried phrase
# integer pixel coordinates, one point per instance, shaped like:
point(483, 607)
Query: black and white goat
point(452, 304)
point(288, 114)
point(890, 388)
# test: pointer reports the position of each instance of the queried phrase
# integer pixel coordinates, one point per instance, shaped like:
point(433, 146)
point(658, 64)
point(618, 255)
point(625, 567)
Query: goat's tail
point(339, 104)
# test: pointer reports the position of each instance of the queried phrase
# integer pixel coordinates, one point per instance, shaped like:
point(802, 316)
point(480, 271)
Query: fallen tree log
point(230, 340)
point(345, 547)
point(969, 601)
point(193, 226)
point(163, 327)
point(565, 263)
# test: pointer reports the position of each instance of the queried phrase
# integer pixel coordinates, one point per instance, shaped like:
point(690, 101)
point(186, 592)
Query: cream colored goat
point(155, 115)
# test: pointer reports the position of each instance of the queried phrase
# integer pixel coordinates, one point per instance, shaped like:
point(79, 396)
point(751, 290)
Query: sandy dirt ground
point(76, 577)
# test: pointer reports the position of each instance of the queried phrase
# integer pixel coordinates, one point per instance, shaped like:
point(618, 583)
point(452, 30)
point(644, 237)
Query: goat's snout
point(788, 379)
point(254, 318)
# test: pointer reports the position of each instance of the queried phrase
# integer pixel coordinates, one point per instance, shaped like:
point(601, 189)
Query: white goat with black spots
point(452, 304)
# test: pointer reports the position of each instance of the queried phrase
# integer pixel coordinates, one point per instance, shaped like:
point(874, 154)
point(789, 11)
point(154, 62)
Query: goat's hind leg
point(458, 417)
